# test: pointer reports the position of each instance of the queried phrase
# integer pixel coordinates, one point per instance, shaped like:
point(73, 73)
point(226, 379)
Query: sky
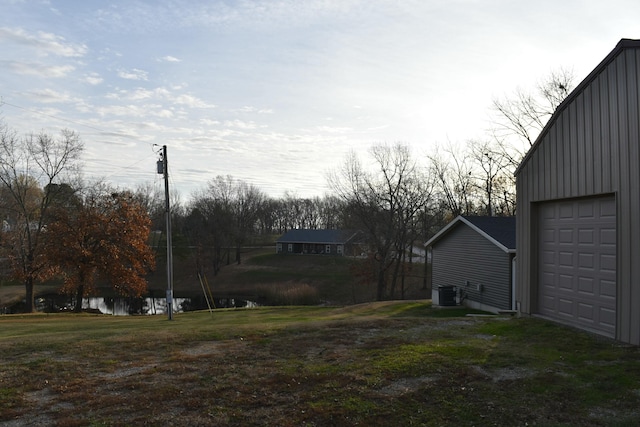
point(277, 93)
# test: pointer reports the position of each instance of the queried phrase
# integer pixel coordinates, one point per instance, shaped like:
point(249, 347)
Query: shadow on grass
point(426, 309)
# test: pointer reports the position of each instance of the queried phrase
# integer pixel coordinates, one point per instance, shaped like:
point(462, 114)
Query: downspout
point(513, 283)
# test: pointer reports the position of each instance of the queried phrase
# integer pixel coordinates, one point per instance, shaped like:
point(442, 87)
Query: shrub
point(288, 294)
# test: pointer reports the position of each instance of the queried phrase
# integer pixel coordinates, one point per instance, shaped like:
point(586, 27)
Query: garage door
point(577, 263)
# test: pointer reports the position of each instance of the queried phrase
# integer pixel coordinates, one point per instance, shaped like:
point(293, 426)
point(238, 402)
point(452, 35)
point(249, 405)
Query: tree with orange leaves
point(104, 235)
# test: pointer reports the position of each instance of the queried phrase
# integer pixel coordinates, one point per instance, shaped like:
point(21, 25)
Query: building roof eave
point(622, 44)
point(460, 219)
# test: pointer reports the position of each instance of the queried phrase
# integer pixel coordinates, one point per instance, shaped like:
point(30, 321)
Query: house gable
point(498, 230)
point(474, 261)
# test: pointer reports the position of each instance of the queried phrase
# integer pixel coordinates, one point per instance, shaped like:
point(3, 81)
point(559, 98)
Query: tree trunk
point(381, 283)
point(79, 294)
point(28, 284)
point(403, 273)
point(394, 278)
point(217, 259)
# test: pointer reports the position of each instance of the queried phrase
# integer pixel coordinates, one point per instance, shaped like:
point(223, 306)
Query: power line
point(128, 166)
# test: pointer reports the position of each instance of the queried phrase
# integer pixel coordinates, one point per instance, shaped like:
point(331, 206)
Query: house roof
point(622, 44)
point(317, 236)
point(499, 230)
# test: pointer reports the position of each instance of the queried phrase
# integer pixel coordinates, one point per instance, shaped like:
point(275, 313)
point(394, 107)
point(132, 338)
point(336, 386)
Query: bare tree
point(29, 169)
point(519, 119)
point(493, 175)
point(225, 216)
point(202, 227)
point(524, 114)
point(331, 210)
point(209, 223)
point(267, 220)
point(414, 197)
point(246, 204)
point(151, 197)
point(453, 171)
point(382, 201)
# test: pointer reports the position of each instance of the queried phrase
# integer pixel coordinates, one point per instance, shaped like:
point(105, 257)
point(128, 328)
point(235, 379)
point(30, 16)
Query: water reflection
point(129, 306)
point(121, 306)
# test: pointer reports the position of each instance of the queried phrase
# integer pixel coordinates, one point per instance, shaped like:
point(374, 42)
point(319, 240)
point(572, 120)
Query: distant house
point(472, 262)
point(326, 242)
point(579, 202)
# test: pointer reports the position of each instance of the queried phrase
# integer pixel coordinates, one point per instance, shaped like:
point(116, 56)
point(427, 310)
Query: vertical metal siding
point(591, 148)
point(604, 135)
point(596, 136)
point(564, 142)
point(553, 166)
point(633, 89)
point(620, 159)
point(463, 255)
point(577, 148)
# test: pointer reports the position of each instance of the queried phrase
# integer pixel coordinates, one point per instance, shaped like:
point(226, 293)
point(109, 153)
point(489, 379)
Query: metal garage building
point(578, 198)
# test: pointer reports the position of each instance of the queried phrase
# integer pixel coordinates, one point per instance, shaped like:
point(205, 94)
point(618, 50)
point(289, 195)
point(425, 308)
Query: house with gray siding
point(475, 256)
point(578, 198)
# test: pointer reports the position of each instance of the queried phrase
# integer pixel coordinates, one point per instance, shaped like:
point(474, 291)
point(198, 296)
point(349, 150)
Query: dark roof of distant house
point(500, 230)
point(317, 236)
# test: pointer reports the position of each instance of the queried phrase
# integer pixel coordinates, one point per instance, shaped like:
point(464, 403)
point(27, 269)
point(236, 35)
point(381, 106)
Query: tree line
point(56, 225)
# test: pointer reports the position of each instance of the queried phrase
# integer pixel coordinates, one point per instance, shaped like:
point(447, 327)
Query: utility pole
point(163, 168)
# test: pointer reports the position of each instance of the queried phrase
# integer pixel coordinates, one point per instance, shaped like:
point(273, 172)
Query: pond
point(123, 306)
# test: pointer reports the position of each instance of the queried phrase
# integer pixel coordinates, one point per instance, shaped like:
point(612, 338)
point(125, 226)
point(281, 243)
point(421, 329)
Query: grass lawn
point(386, 364)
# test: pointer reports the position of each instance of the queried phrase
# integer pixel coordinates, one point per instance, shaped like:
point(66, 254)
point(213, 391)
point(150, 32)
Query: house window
point(327, 249)
point(339, 249)
point(279, 248)
point(290, 248)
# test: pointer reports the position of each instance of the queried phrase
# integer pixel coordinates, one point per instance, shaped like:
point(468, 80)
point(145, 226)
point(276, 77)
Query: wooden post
point(165, 171)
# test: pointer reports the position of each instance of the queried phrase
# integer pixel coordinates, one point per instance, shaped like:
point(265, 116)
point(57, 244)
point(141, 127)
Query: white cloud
point(240, 124)
point(121, 110)
point(160, 94)
point(140, 94)
point(170, 58)
point(334, 130)
point(192, 101)
point(245, 109)
point(93, 79)
point(250, 109)
point(134, 74)
point(209, 122)
point(44, 43)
